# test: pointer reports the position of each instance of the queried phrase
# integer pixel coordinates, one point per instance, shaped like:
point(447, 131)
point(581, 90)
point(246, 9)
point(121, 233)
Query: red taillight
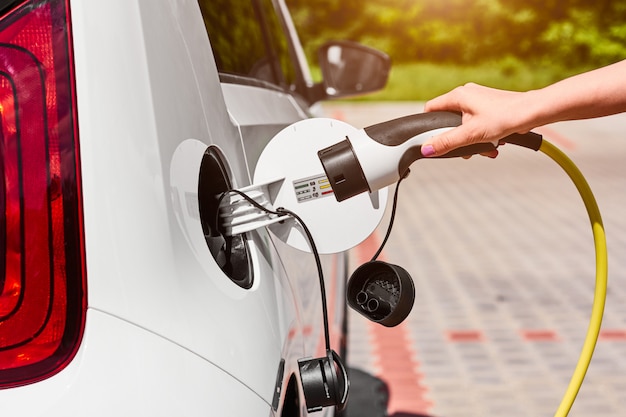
point(42, 282)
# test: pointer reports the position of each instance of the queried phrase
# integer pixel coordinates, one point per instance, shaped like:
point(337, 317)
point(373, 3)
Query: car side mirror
point(350, 69)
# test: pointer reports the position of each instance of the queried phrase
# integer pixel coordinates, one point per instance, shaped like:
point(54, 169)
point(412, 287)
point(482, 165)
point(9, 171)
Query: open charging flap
point(293, 178)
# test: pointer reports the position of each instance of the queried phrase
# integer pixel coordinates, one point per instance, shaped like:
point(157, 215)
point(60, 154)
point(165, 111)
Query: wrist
point(530, 112)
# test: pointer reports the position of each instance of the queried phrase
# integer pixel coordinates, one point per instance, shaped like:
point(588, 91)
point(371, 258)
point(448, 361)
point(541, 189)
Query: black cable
point(318, 262)
point(392, 218)
point(320, 273)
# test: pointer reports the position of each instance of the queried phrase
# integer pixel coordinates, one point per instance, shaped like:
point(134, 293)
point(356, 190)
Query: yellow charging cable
point(601, 275)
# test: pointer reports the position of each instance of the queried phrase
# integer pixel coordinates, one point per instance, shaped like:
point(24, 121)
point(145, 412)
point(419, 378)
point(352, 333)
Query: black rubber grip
point(397, 131)
point(528, 140)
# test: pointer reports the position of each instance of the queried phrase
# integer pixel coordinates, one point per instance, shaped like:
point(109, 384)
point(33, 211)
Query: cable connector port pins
point(382, 292)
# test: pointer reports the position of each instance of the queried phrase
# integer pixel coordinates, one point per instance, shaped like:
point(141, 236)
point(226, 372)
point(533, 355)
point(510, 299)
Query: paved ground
point(502, 256)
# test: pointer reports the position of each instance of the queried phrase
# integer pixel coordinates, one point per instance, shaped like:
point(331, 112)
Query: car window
point(248, 40)
point(279, 42)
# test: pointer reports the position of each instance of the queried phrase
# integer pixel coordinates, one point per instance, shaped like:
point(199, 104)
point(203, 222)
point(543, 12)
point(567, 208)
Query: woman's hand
point(488, 115)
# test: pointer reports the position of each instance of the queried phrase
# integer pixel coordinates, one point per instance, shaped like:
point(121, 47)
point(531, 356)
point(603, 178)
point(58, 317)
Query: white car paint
point(167, 333)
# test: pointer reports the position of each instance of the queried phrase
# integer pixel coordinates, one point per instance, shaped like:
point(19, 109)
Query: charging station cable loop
point(599, 299)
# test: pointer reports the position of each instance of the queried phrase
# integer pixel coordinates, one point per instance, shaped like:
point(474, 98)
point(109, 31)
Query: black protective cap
point(382, 292)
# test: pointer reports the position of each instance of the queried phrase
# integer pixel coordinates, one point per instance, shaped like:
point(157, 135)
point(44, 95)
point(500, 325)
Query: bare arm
point(490, 114)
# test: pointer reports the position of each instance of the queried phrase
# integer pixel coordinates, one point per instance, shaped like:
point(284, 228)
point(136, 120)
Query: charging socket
point(231, 253)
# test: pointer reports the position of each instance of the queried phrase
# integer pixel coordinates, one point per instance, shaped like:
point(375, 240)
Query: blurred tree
point(574, 32)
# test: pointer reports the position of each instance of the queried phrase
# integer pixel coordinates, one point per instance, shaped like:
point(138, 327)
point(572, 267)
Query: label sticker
point(312, 188)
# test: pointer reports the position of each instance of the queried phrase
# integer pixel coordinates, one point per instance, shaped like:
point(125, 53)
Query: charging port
point(231, 253)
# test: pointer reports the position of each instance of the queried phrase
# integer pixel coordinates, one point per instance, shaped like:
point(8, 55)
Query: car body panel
point(149, 376)
point(153, 262)
point(167, 333)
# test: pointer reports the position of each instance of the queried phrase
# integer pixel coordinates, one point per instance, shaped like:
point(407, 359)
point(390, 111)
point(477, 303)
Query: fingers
point(444, 102)
point(482, 118)
point(454, 100)
point(445, 142)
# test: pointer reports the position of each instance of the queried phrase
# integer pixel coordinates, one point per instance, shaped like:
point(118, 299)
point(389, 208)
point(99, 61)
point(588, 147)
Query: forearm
point(490, 114)
point(597, 93)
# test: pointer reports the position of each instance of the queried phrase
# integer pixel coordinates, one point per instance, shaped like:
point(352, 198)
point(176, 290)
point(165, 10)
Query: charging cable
point(392, 217)
point(324, 380)
point(282, 212)
point(599, 299)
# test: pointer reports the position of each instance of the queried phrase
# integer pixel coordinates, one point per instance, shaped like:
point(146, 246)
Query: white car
point(120, 123)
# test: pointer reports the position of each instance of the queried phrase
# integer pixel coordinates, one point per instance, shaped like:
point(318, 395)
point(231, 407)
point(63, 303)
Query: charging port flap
point(306, 190)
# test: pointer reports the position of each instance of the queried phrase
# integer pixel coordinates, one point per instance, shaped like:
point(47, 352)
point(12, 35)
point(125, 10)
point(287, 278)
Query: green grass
point(424, 81)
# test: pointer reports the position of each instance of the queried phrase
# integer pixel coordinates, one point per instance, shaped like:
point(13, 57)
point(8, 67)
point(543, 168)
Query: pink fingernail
point(428, 150)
